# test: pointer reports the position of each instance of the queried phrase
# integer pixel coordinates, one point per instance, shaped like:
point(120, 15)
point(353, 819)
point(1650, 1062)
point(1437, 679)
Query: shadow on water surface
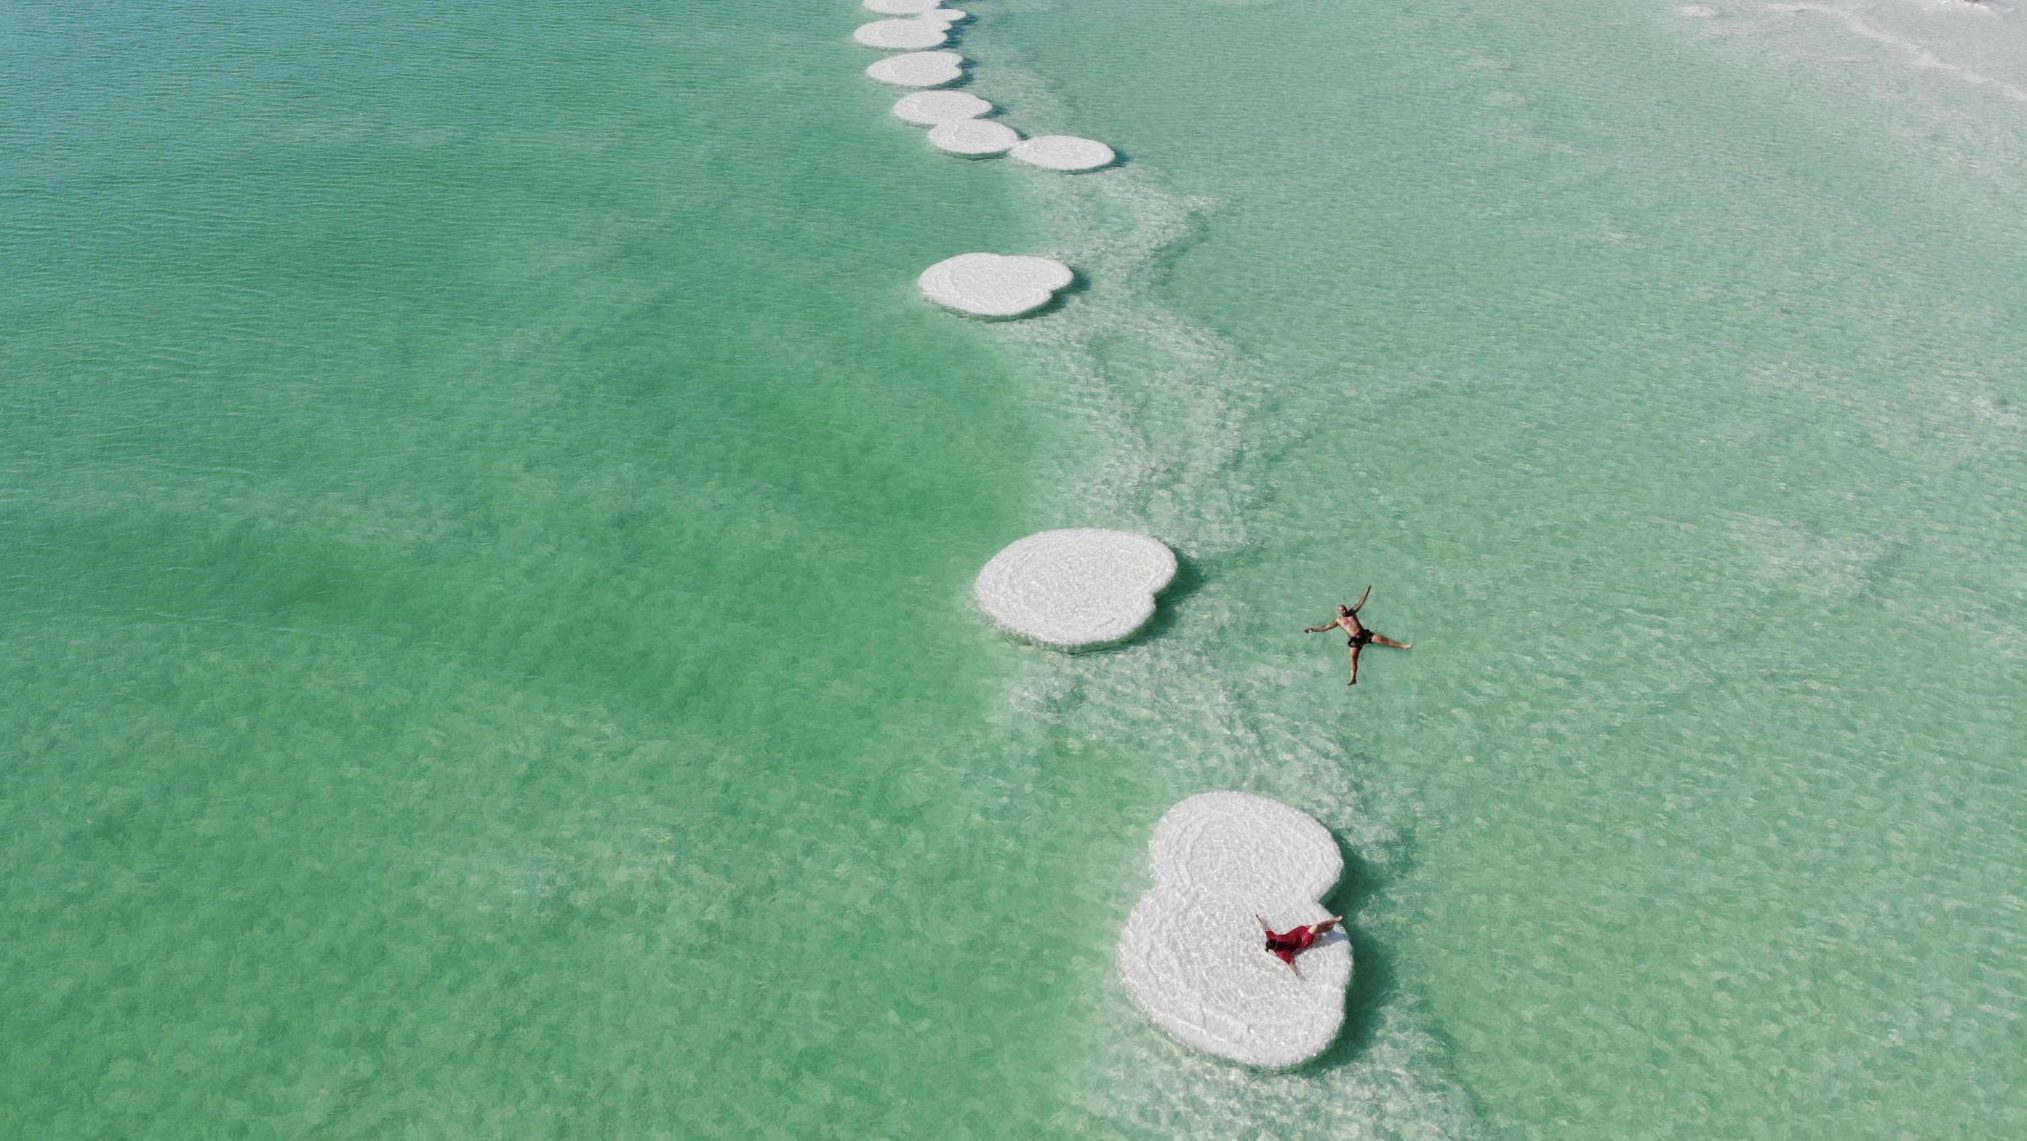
point(1189, 578)
point(1373, 983)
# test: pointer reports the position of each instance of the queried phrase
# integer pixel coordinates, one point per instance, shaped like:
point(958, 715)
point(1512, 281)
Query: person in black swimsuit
point(1355, 633)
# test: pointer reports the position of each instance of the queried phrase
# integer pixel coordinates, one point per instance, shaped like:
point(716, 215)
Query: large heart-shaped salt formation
point(973, 138)
point(918, 69)
point(1065, 152)
point(1075, 589)
point(1192, 955)
point(912, 34)
point(928, 108)
point(994, 285)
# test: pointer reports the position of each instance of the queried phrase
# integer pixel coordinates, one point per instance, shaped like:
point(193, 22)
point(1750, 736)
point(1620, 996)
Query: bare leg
point(1355, 648)
point(1383, 640)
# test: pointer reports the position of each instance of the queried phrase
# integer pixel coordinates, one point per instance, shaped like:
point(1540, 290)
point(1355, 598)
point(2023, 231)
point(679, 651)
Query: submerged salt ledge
point(918, 69)
point(928, 108)
point(902, 35)
point(1192, 955)
point(1075, 589)
point(1065, 152)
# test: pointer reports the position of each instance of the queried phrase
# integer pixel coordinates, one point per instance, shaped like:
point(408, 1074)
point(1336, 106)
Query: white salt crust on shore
point(911, 34)
point(1075, 589)
point(918, 69)
point(902, 7)
point(1064, 152)
point(928, 108)
point(1192, 955)
point(974, 138)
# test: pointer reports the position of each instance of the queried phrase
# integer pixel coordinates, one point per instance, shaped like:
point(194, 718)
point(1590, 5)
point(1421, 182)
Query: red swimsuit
point(1288, 944)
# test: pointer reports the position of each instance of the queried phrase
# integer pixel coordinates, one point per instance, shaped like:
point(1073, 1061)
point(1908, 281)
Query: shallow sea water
point(489, 523)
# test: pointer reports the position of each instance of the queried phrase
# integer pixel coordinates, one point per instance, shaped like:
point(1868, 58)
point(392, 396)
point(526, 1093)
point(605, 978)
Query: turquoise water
point(489, 523)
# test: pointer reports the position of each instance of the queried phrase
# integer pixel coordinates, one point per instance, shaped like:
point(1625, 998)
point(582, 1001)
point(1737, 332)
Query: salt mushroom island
point(911, 34)
point(1080, 588)
point(929, 108)
point(996, 286)
point(1192, 955)
point(918, 69)
point(973, 138)
point(1065, 152)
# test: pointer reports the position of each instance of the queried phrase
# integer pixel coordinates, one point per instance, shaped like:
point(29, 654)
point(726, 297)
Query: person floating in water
point(1285, 945)
point(1355, 633)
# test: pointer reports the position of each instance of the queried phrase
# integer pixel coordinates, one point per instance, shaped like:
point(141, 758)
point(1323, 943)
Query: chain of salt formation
point(983, 285)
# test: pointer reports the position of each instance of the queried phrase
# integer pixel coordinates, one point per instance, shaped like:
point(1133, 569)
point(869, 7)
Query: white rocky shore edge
point(1192, 955)
point(997, 286)
point(1080, 588)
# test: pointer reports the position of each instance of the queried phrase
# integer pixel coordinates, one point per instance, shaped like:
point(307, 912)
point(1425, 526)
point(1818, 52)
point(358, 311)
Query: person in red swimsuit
point(1285, 945)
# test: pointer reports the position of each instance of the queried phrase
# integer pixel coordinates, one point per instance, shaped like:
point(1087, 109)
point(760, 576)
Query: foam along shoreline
point(1192, 956)
point(1065, 152)
point(918, 69)
point(912, 34)
point(1080, 588)
point(973, 138)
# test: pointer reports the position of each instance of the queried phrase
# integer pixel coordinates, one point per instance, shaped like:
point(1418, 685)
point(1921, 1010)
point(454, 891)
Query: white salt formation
point(901, 7)
point(1075, 589)
point(993, 285)
point(928, 108)
point(918, 69)
point(1192, 954)
point(902, 35)
point(974, 137)
point(1064, 152)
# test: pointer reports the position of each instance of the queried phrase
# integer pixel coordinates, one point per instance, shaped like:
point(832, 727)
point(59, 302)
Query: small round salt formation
point(918, 69)
point(994, 285)
point(974, 138)
point(1075, 589)
point(928, 108)
point(1064, 152)
point(902, 35)
point(1192, 954)
point(901, 7)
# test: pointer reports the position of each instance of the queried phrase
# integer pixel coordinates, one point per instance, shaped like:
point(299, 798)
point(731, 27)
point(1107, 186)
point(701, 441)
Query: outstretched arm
point(1331, 625)
point(1361, 598)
